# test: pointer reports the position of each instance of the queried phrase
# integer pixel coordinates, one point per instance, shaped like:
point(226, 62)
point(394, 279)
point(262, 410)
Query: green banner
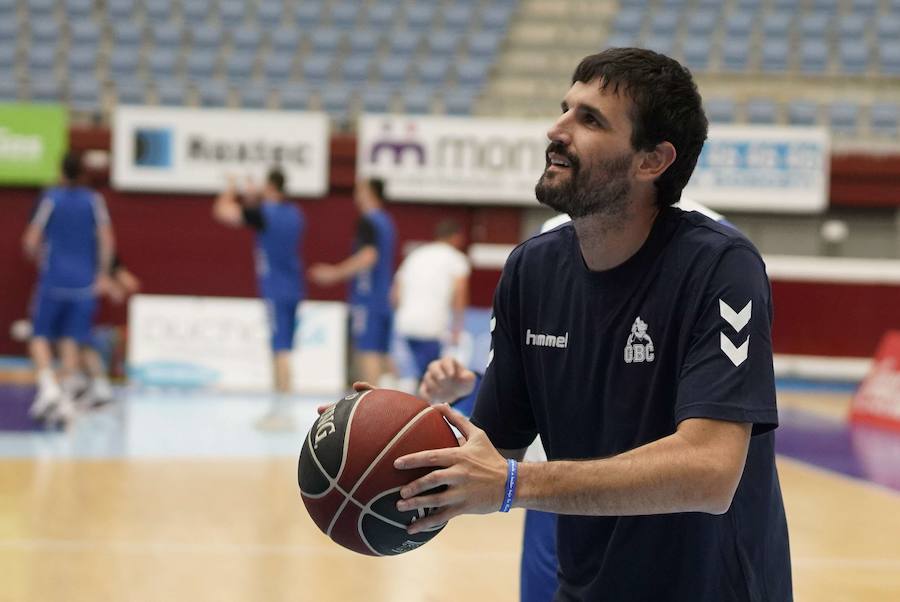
point(33, 139)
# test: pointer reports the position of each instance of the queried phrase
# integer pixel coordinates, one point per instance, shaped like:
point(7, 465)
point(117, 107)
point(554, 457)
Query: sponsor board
point(193, 150)
point(223, 343)
point(878, 400)
point(33, 139)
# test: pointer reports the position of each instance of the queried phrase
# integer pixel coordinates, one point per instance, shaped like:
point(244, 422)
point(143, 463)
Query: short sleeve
point(461, 268)
point(503, 407)
point(727, 373)
point(365, 233)
point(253, 217)
point(42, 211)
point(101, 213)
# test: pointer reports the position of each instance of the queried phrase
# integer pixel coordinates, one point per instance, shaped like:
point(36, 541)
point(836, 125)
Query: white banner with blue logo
point(763, 168)
point(453, 159)
point(223, 344)
point(175, 149)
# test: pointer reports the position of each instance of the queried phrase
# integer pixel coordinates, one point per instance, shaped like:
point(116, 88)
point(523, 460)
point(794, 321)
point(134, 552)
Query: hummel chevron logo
point(737, 320)
point(737, 355)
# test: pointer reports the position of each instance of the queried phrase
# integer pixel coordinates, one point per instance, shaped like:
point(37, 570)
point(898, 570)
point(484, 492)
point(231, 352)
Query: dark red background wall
point(171, 243)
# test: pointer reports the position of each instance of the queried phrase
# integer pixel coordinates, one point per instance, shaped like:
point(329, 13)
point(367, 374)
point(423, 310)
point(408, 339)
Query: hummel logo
point(737, 320)
point(639, 347)
point(546, 340)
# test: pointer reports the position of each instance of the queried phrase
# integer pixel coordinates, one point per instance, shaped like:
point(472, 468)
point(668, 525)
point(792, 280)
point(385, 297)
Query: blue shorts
point(282, 323)
point(537, 577)
point(424, 351)
point(55, 318)
point(371, 329)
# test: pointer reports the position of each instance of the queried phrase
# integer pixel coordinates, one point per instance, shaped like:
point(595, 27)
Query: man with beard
point(636, 341)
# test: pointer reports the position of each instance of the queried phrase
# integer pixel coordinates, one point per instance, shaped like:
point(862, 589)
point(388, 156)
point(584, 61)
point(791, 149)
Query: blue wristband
point(512, 476)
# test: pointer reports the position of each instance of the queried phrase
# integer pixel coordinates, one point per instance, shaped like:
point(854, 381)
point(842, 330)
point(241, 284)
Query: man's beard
point(602, 190)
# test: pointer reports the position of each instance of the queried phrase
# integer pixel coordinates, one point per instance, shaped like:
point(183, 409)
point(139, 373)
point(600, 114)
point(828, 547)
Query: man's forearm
point(362, 260)
point(665, 476)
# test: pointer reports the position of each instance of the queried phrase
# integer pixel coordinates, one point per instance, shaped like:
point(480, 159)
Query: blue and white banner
point(763, 169)
point(169, 149)
point(223, 344)
point(453, 159)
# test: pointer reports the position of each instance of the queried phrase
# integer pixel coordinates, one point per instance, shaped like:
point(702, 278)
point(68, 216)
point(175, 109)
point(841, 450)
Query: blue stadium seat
point(317, 67)
point(78, 9)
point(695, 52)
point(661, 44)
point(394, 69)
point(42, 9)
point(130, 91)
point(119, 11)
point(888, 28)
point(884, 117)
point(472, 73)
point(702, 22)
point(813, 56)
point(720, 110)
point(775, 55)
point(285, 39)
point(336, 101)
point(483, 44)
point(735, 54)
point(42, 58)
point(364, 41)
point(85, 31)
point(750, 5)
point(326, 39)
point(376, 99)
point(344, 15)
point(419, 17)
point(254, 96)
point(815, 24)
point(212, 93)
point(84, 95)
point(784, 5)
point(171, 92)
point(664, 23)
point(166, 34)
point(233, 11)
point(854, 55)
point(460, 101)
point(621, 40)
point(9, 30)
point(45, 31)
point(158, 10)
point(239, 66)
point(496, 17)
point(739, 24)
point(889, 57)
point(9, 88)
point(126, 33)
point(404, 42)
point(381, 15)
point(432, 71)
point(443, 43)
point(853, 25)
point(458, 17)
point(123, 62)
point(628, 21)
point(196, 11)
point(246, 39)
point(82, 59)
point(867, 7)
point(844, 117)
point(201, 64)
point(270, 13)
point(206, 37)
point(277, 66)
point(163, 62)
point(825, 5)
point(417, 100)
point(761, 111)
point(7, 56)
point(294, 97)
point(357, 68)
point(307, 15)
point(803, 112)
point(777, 24)
point(45, 89)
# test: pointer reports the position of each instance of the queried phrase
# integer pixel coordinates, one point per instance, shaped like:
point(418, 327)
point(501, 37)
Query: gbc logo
point(639, 347)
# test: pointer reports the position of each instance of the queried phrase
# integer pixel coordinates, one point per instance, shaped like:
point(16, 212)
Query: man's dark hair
point(667, 107)
point(447, 228)
point(71, 166)
point(276, 178)
point(377, 186)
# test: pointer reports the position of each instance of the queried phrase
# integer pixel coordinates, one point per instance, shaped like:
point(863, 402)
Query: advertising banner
point(762, 168)
point(33, 139)
point(165, 149)
point(223, 343)
point(878, 400)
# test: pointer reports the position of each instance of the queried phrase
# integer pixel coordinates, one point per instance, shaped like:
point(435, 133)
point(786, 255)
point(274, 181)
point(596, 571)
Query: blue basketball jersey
point(372, 287)
point(69, 217)
point(278, 263)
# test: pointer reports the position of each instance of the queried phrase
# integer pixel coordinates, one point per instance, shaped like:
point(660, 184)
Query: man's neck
point(607, 241)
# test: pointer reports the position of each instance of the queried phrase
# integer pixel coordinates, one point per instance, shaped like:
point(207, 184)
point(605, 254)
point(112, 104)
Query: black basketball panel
point(388, 539)
point(328, 434)
point(309, 475)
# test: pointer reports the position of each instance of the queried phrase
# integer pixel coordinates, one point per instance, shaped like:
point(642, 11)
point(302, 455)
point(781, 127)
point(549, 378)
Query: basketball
point(346, 471)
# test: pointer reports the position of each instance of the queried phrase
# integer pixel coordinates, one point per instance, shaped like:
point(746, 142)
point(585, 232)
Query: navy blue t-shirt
point(279, 235)
point(372, 287)
point(599, 363)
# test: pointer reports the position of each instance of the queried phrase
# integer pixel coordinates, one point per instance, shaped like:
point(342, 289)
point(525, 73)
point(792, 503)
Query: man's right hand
point(446, 380)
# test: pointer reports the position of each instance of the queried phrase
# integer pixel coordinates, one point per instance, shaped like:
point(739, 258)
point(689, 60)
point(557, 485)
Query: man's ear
point(656, 161)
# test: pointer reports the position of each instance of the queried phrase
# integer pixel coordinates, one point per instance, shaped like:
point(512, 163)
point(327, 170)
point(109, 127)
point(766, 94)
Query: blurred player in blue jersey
point(71, 239)
point(279, 227)
point(370, 268)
